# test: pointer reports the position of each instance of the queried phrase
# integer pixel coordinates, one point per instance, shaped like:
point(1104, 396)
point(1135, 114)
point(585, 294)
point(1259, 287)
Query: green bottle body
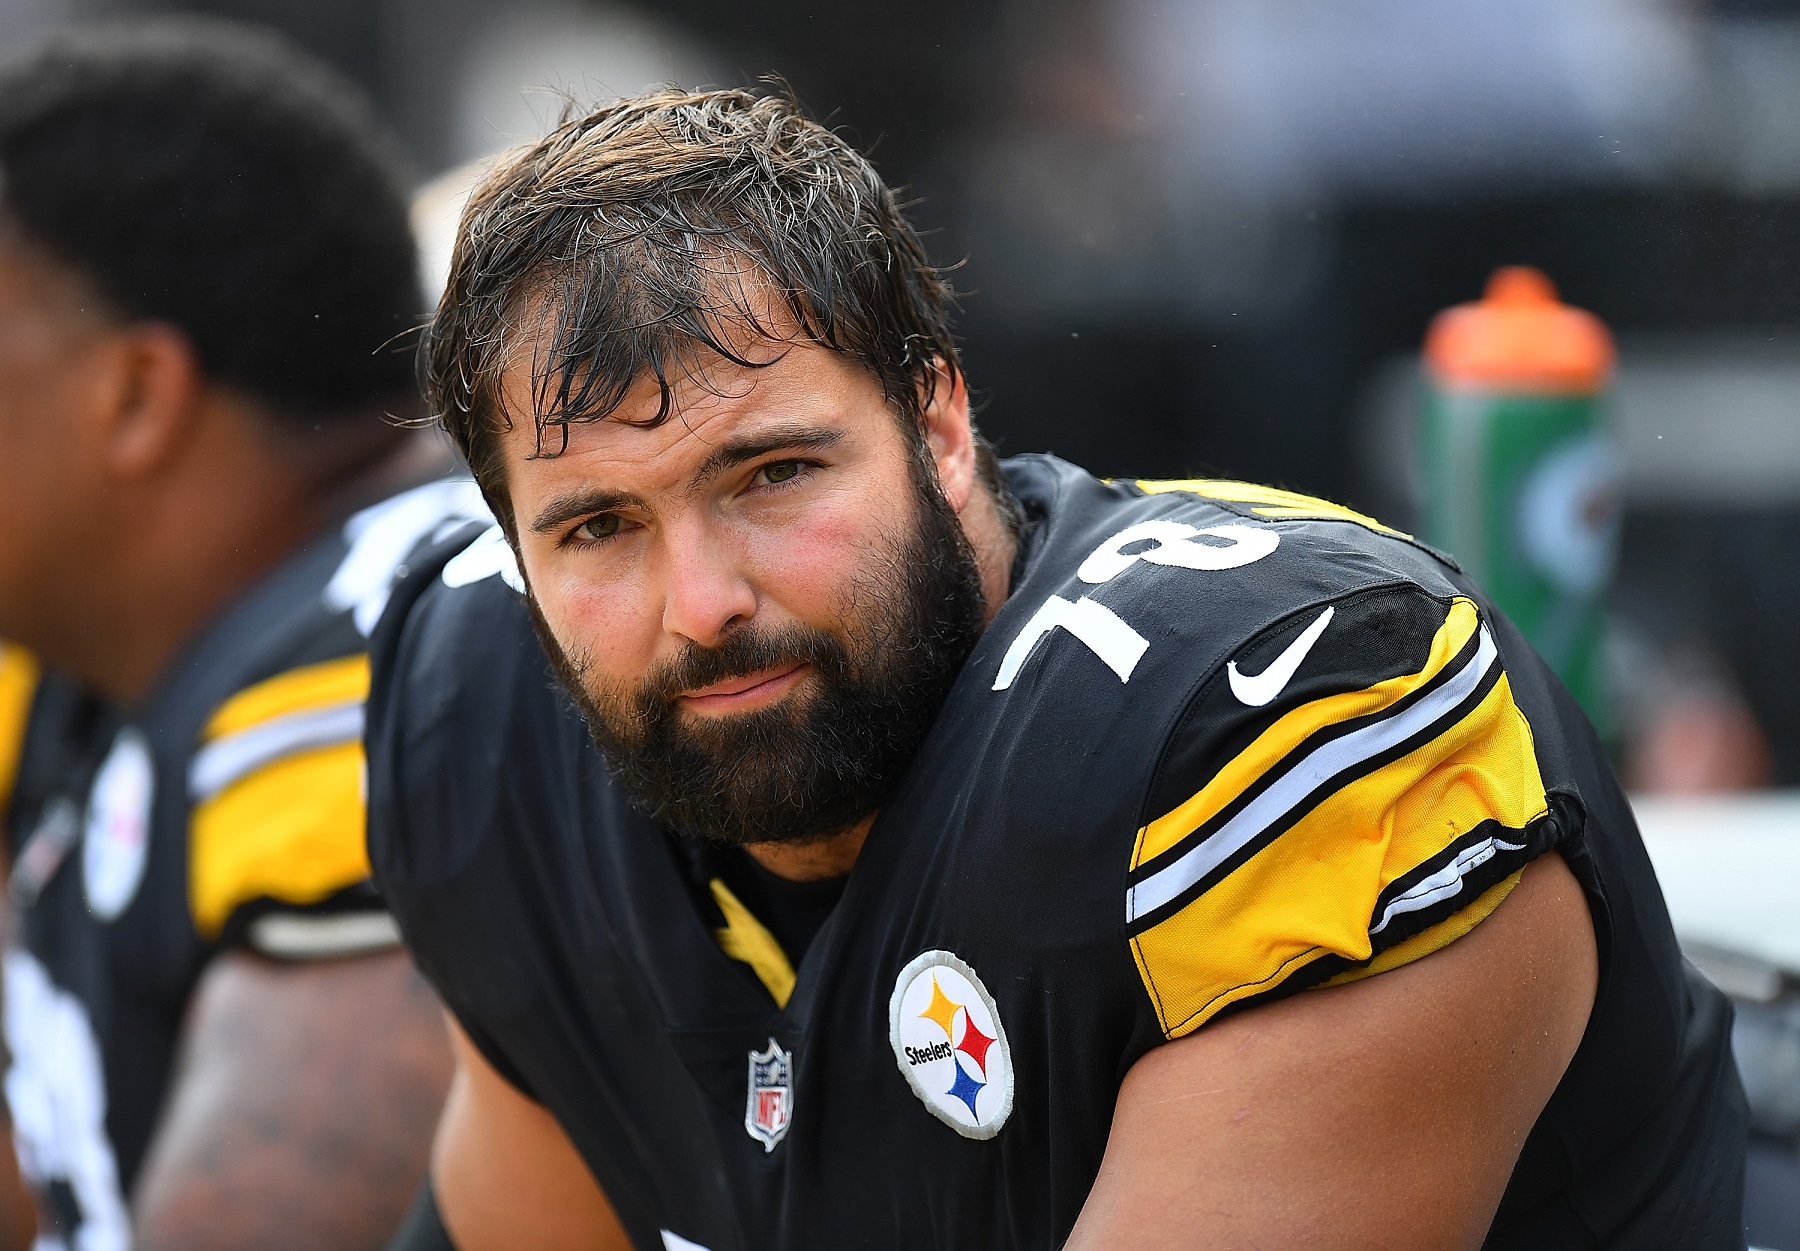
point(1523, 490)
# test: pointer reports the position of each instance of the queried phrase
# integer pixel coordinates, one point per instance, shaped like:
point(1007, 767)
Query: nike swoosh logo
point(1262, 688)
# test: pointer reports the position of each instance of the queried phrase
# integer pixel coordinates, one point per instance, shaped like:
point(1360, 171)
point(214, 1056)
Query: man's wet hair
point(648, 237)
point(217, 178)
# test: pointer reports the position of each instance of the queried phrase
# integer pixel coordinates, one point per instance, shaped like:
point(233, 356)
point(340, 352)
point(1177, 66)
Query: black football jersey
point(1221, 744)
point(226, 811)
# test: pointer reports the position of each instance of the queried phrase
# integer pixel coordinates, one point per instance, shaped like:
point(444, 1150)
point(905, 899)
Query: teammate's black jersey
point(1221, 744)
point(226, 811)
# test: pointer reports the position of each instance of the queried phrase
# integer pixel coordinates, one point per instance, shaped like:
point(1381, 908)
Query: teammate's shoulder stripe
point(277, 791)
point(292, 831)
point(309, 687)
point(323, 936)
point(303, 709)
point(1271, 502)
point(228, 760)
point(18, 685)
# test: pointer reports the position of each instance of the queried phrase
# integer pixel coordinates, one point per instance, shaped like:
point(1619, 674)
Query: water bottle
point(1521, 479)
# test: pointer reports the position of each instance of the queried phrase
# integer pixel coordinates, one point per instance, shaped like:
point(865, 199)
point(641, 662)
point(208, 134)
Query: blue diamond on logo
point(965, 1088)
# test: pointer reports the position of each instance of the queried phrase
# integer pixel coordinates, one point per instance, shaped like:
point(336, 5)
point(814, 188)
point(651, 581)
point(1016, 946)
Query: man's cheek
point(817, 568)
point(580, 632)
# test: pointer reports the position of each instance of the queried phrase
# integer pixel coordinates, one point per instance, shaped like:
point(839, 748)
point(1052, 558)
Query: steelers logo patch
point(116, 842)
point(950, 1045)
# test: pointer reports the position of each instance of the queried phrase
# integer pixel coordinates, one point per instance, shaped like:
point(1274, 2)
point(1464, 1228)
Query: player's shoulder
point(471, 747)
point(274, 781)
point(287, 668)
point(455, 642)
point(1315, 765)
point(467, 729)
point(1137, 592)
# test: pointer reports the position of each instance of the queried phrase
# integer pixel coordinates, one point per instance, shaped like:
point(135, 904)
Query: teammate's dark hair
point(656, 230)
point(218, 178)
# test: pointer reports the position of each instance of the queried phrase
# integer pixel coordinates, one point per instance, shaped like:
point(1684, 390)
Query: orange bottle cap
point(1520, 337)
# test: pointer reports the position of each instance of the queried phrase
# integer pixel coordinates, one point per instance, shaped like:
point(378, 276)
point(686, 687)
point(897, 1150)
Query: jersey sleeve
point(1355, 791)
point(277, 858)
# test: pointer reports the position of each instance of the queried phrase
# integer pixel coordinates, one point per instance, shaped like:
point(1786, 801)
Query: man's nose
point(707, 592)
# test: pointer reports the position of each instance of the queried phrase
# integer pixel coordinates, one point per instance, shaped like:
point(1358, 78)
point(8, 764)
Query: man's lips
point(746, 691)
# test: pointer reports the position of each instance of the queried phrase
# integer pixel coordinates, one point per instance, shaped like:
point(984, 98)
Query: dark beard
point(813, 765)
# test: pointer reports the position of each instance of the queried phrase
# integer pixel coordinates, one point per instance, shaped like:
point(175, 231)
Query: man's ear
point(152, 384)
point(950, 435)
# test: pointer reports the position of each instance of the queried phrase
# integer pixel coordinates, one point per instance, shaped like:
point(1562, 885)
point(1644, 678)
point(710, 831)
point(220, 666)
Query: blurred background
point(1208, 237)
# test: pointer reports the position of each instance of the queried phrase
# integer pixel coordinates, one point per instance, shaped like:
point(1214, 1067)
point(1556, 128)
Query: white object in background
point(437, 210)
point(1730, 870)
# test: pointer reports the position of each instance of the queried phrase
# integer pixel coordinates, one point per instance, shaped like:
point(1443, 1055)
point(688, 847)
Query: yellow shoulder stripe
point(1312, 890)
point(18, 683)
point(291, 830)
point(1276, 742)
point(312, 686)
point(1270, 502)
point(745, 938)
point(278, 790)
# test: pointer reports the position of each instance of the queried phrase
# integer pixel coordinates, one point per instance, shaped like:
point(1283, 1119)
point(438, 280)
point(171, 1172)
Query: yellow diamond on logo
point(941, 1009)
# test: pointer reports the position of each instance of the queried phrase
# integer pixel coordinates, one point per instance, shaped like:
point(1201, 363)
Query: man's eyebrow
point(797, 437)
point(566, 508)
point(585, 503)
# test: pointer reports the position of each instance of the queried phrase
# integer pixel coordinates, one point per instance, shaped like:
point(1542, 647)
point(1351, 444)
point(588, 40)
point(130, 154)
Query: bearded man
point(975, 853)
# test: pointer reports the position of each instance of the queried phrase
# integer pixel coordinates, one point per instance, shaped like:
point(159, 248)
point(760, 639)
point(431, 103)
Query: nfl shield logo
point(770, 1103)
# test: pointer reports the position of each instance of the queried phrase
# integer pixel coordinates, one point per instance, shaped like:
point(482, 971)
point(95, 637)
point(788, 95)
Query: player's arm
point(314, 1060)
point(302, 1111)
point(505, 1175)
point(1388, 1112)
point(1369, 965)
point(18, 1212)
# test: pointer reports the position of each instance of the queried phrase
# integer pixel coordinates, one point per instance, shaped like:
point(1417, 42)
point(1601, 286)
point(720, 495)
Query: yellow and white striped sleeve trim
point(18, 685)
point(1356, 832)
point(278, 793)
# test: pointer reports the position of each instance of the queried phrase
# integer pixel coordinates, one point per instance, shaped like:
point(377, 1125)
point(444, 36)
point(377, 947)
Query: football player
point(892, 847)
point(204, 257)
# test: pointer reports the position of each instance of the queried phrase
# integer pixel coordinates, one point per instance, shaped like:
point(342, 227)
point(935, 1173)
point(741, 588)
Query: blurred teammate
point(204, 258)
point(975, 855)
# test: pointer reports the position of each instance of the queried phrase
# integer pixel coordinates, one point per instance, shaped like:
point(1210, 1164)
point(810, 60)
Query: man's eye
point(603, 527)
point(781, 471)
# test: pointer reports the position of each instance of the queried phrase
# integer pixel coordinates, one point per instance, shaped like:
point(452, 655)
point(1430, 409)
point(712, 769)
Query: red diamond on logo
point(974, 1043)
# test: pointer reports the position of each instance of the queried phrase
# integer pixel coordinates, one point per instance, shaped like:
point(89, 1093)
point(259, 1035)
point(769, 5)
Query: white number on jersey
point(58, 1097)
point(1171, 544)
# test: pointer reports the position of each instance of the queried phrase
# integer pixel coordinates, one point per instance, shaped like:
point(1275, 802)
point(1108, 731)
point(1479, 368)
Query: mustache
point(743, 652)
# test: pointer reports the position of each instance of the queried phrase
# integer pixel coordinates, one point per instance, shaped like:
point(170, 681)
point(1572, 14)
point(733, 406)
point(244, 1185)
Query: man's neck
point(169, 593)
point(205, 540)
point(814, 861)
point(996, 547)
